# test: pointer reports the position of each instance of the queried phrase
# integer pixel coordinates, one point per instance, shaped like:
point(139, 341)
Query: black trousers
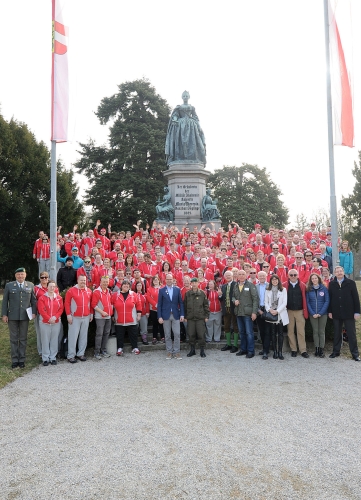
point(132, 332)
point(274, 330)
point(156, 326)
point(351, 333)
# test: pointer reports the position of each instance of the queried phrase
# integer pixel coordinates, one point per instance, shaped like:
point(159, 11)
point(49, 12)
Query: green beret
point(20, 270)
point(194, 280)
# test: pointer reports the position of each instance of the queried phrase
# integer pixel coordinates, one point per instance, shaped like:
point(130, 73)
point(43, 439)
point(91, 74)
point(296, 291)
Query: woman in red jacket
point(214, 323)
point(127, 313)
point(50, 307)
point(143, 322)
point(152, 299)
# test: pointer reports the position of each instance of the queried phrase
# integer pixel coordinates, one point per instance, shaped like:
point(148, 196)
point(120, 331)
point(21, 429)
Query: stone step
point(160, 346)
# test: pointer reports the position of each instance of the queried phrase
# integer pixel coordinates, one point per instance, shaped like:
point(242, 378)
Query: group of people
point(187, 283)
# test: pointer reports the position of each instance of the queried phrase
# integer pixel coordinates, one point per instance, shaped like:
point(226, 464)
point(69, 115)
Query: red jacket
point(125, 311)
point(144, 303)
point(303, 291)
point(48, 307)
point(43, 251)
point(213, 299)
point(105, 241)
point(81, 272)
point(102, 300)
point(78, 302)
point(152, 297)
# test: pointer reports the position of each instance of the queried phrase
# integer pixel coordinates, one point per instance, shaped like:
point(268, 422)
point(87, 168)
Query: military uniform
point(15, 302)
point(196, 310)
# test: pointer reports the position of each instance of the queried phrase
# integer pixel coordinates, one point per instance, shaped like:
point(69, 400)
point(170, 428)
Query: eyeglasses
point(252, 273)
point(298, 257)
point(265, 267)
point(292, 275)
point(128, 273)
point(308, 255)
point(274, 248)
point(75, 250)
point(87, 261)
point(44, 278)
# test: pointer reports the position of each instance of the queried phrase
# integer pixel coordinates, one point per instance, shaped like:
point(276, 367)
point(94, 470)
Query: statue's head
point(208, 191)
point(185, 95)
point(166, 189)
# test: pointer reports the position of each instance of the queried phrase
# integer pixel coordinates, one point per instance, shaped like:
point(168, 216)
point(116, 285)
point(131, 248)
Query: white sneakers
point(120, 352)
point(136, 351)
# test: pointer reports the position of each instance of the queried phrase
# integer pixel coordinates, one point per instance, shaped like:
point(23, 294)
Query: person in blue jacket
point(77, 261)
point(318, 300)
point(346, 258)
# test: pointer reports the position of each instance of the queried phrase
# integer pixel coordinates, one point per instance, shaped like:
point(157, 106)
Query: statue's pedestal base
point(187, 186)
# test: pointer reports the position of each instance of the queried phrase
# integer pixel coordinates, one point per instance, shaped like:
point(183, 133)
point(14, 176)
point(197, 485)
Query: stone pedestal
point(187, 186)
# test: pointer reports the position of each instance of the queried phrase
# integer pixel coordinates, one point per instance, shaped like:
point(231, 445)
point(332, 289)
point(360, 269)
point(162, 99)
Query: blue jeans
point(245, 327)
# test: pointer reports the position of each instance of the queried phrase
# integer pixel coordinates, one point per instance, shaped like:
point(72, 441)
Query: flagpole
point(53, 214)
point(333, 204)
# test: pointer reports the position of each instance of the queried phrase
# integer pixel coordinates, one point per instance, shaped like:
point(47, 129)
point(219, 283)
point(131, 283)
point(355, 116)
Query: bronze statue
point(165, 209)
point(185, 139)
point(209, 210)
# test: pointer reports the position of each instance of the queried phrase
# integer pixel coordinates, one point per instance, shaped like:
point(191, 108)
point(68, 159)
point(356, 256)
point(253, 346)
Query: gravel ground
point(223, 427)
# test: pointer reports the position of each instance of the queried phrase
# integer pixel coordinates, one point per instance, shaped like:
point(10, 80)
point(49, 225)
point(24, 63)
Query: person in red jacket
point(50, 307)
point(87, 271)
point(297, 312)
point(143, 322)
point(152, 299)
point(127, 313)
point(214, 323)
point(79, 313)
point(103, 310)
point(43, 255)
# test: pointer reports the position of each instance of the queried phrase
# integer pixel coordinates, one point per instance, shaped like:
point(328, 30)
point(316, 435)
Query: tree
point(126, 177)
point(352, 207)
point(25, 196)
point(247, 195)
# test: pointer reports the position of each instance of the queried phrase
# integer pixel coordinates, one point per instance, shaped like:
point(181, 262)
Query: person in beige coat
point(276, 304)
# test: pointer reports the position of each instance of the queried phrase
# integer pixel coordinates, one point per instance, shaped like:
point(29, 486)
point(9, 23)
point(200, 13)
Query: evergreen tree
point(126, 177)
point(25, 196)
point(247, 195)
point(352, 208)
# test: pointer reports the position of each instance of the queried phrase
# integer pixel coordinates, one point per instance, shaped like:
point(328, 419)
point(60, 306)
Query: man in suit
point(170, 313)
point(344, 308)
point(18, 296)
point(228, 313)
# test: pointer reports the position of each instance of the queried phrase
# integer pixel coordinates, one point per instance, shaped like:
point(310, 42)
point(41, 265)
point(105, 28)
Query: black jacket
point(66, 277)
point(344, 300)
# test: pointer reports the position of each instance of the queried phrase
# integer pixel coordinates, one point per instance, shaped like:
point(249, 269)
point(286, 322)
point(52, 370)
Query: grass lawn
point(32, 357)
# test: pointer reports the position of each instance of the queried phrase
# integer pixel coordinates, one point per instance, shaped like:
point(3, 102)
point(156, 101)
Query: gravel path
point(223, 427)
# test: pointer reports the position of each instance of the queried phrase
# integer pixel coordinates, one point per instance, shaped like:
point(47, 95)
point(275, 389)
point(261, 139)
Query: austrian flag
point(340, 83)
point(59, 77)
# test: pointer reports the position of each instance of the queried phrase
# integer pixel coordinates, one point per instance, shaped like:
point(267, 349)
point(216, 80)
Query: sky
point(255, 71)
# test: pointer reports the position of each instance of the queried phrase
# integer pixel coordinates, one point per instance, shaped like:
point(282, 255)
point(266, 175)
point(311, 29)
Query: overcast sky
point(255, 70)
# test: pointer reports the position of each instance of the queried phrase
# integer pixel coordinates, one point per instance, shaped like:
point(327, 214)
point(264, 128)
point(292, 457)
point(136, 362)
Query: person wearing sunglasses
point(87, 271)
point(297, 313)
point(77, 261)
point(300, 266)
point(43, 255)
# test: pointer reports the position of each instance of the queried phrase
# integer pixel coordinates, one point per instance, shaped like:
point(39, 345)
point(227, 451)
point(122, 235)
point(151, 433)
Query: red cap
point(257, 225)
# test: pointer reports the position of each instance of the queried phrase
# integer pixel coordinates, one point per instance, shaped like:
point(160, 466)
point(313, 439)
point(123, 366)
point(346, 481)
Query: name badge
point(246, 289)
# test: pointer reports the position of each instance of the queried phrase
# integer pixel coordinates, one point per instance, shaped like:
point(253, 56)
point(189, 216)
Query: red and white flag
point(59, 76)
point(342, 102)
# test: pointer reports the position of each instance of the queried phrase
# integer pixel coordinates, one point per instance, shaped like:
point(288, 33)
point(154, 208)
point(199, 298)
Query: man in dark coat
point(196, 313)
point(344, 308)
point(66, 276)
point(18, 297)
point(228, 312)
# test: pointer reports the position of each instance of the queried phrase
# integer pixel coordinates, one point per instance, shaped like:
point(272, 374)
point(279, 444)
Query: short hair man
point(196, 313)
point(245, 299)
point(79, 313)
point(344, 308)
point(103, 310)
point(228, 312)
point(18, 297)
point(297, 312)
